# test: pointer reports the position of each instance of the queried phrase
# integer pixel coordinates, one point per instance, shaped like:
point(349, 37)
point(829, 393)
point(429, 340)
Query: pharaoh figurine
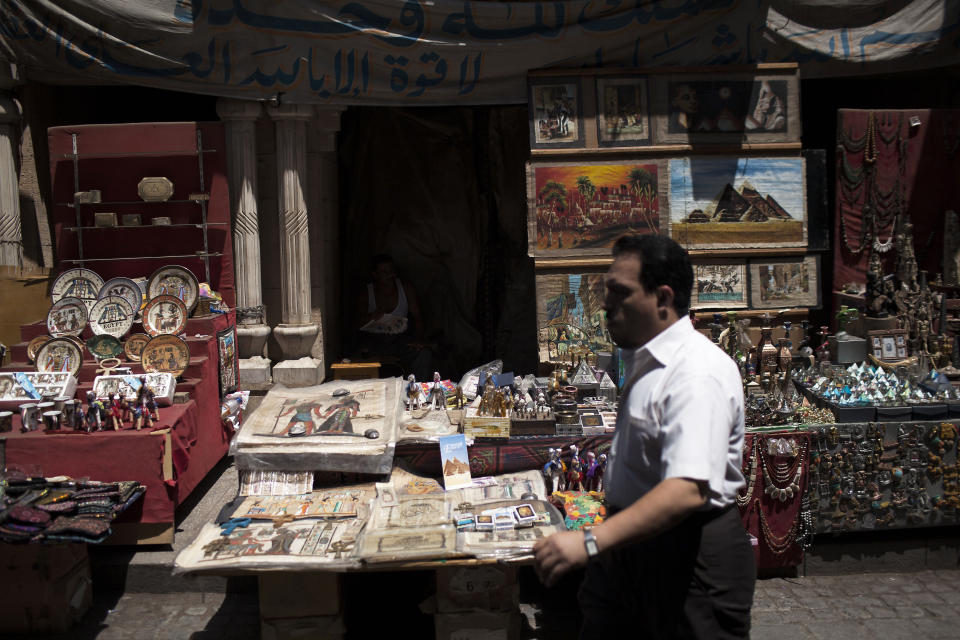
point(412, 393)
point(876, 301)
point(438, 395)
point(906, 257)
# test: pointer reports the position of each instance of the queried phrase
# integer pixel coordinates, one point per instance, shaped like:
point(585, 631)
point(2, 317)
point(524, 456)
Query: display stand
point(170, 459)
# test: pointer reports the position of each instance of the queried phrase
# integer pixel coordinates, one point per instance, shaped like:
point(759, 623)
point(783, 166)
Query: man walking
point(672, 559)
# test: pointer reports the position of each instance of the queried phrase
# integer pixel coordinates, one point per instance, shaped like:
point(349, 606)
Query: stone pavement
point(881, 605)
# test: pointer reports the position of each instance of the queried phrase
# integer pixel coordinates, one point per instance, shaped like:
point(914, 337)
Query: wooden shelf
point(668, 149)
point(766, 67)
point(711, 254)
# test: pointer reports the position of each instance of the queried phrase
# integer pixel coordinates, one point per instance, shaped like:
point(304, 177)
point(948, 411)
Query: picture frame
point(229, 363)
point(726, 108)
point(570, 315)
point(888, 345)
point(580, 208)
point(555, 112)
point(780, 283)
point(623, 113)
point(720, 284)
point(738, 201)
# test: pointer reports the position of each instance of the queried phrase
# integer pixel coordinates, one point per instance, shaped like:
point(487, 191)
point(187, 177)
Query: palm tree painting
point(582, 208)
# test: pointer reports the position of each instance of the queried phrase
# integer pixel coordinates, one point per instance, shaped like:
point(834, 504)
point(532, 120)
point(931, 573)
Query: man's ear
point(665, 296)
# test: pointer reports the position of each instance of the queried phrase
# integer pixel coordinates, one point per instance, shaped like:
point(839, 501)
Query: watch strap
point(590, 543)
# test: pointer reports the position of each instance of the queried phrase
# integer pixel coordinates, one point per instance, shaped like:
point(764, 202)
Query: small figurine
point(413, 393)
point(598, 473)
point(151, 398)
point(554, 470)
point(116, 411)
point(590, 481)
point(458, 397)
point(542, 405)
point(141, 408)
point(92, 417)
point(438, 395)
point(575, 474)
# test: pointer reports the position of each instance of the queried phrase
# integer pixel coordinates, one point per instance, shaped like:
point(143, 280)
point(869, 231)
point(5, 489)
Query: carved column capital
point(233, 109)
point(291, 112)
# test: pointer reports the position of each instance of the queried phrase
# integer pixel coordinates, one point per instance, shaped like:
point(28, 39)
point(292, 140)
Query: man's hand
point(558, 554)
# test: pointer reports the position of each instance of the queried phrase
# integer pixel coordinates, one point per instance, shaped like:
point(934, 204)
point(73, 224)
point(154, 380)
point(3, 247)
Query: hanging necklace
point(745, 499)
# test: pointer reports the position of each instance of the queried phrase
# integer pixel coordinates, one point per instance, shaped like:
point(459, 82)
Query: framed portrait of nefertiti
point(727, 108)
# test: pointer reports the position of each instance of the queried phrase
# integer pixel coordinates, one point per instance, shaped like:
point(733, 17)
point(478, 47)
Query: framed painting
point(556, 113)
point(731, 108)
point(581, 208)
point(888, 345)
point(719, 285)
point(228, 360)
point(623, 117)
point(570, 318)
point(783, 283)
point(732, 202)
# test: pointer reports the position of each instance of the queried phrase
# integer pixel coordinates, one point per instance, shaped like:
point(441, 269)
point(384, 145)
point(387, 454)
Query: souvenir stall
point(124, 378)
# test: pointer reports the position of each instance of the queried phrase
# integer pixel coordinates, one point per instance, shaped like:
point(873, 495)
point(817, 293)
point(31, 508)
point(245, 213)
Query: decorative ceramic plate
point(104, 346)
point(164, 315)
point(134, 345)
point(111, 316)
point(174, 280)
point(67, 317)
point(77, 283)
point(165, 354)
point(155, 189)
point(34, 346)
point(60, 354)
point(124, 288)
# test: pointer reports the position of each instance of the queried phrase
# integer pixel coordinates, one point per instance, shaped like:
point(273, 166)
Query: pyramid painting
point(729, 202)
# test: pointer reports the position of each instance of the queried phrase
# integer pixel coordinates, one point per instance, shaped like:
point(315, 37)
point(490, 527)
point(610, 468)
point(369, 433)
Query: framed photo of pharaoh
point(556, 115)
point(623, 118)
point(727, 108)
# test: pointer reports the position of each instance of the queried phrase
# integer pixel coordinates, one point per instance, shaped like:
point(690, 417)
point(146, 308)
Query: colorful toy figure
point(438, 395)
point(590, 477)
point(141, 408)
point(151, 398)
point(600, 470)
point(116, 411)
point(92, 416)
point(554, 470)
point(575, 475)
point(412, 393)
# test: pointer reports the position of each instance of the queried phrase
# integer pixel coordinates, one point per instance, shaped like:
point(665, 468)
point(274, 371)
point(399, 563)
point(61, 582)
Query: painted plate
point(134, 345)
point(34, 346)
point(164, 315)
point(77, 283)
point(165, 354)
point(124, 288)
point(60, 354)
point(112, 316)
point(104, 346)
point(174, 280)
point(67, 317)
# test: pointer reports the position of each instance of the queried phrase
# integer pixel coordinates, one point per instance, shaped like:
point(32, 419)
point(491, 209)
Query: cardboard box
point(490, 587)
point(477, 625)
point(299, 595)
point(475, 426)
point(47, 588)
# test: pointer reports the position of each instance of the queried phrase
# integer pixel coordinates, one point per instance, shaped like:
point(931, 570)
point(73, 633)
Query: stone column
point(296, 333)
point(240, 118)
point(11, 238)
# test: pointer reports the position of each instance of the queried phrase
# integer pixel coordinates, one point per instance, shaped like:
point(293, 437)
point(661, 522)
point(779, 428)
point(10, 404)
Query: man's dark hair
point(662, 261)
point(381, 258)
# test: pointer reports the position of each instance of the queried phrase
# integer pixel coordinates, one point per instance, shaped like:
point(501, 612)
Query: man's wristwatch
point(590, 542)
